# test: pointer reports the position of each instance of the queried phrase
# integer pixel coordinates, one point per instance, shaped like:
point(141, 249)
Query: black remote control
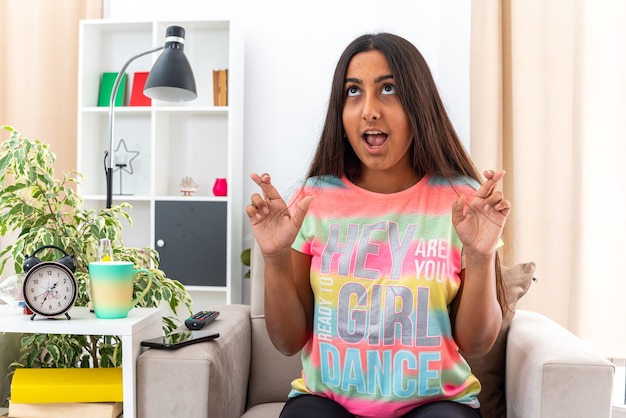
point(200, 319)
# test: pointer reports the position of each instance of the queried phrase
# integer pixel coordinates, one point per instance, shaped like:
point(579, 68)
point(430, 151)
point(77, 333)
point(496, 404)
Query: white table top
point(82, 322)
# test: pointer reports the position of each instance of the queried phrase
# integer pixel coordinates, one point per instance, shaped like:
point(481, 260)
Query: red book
point(137, 98)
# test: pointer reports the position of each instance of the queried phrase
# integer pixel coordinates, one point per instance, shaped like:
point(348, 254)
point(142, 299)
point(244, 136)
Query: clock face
point(49, 289)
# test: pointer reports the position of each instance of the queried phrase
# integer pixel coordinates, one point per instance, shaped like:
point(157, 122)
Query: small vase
point(220, 188)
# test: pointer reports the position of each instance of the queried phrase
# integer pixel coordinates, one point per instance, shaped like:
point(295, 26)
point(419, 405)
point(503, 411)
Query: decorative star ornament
point(127, 156)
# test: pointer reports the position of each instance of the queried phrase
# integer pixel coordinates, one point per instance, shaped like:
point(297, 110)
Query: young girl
point(383, 268)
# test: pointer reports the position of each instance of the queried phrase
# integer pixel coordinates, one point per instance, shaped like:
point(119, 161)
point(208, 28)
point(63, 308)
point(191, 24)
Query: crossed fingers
point(493, 199)
point(259, 206)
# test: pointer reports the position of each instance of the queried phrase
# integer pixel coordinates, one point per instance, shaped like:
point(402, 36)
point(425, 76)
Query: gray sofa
point(9, 352)
point(549, 372)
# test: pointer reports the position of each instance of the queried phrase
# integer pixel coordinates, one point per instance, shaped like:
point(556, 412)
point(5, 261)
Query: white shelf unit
point(174, 140)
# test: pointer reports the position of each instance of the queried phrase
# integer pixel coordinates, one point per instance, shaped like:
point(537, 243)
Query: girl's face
point(376, 123)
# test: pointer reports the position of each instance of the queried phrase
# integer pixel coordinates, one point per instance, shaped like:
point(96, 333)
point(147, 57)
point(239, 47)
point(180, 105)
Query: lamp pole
point(171, 78)
point(108, 157)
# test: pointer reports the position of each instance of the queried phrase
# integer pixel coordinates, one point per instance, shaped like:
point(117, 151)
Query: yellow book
point(67, 385)
point(66, 410)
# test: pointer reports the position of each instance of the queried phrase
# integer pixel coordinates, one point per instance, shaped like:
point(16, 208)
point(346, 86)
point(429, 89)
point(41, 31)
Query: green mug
point(111, 286)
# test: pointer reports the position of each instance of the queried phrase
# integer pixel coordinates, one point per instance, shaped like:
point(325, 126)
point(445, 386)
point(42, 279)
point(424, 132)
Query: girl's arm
point(288, 296)
point(477, 313)
point(479, 225)
point(288, 300)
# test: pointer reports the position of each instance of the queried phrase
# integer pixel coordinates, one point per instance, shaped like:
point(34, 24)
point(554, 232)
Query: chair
point(550, 373)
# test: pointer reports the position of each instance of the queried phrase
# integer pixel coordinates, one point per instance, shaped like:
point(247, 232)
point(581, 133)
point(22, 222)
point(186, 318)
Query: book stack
point(220, 87)
point(65, 410)
point(67, 393)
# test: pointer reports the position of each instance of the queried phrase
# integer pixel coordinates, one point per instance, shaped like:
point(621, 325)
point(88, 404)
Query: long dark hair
point(436, 149)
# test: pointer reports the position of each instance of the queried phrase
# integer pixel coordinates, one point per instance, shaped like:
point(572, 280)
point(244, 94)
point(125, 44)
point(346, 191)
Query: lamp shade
point(171, 77)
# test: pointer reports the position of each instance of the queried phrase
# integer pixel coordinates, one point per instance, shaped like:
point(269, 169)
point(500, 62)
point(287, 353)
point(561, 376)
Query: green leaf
point(84, 362)
point(5, 160)
point(54, 352)
point(32, 359)
point(166, 294)
point(29, 339)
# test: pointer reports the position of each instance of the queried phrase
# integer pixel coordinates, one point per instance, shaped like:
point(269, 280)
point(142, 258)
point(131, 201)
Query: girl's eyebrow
point(377, 80)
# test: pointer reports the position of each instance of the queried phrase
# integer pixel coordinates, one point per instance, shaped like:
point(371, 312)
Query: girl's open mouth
point(375, 138)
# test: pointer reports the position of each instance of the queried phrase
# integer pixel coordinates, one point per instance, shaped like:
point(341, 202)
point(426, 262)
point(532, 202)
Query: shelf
point(82, 322)
point(206, 289)
point(121, 110)
point(195, 198)
point(174, 140)
point(137, 198)
point(120, 198)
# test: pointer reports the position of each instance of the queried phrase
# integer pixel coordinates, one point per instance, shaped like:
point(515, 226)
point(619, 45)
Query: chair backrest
point(270, 371)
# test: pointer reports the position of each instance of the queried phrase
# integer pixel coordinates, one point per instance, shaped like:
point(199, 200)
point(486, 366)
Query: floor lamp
point(171, 79)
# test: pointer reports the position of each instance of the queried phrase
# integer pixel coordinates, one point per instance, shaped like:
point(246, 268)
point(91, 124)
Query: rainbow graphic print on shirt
point(384, 269)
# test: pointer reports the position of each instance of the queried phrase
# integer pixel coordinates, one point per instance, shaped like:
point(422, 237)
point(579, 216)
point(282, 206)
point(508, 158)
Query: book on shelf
point(137, 98)
point(220, 87)
point(106, 87)
point(31, 386)
point(223, 87)
point(66, 410)
point(216, 87)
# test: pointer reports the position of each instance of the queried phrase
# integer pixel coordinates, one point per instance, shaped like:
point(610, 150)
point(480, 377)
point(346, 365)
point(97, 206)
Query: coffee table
point(141, 324)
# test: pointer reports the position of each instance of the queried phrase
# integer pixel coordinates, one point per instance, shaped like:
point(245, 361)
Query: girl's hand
point(480, 224)
point(273, 226)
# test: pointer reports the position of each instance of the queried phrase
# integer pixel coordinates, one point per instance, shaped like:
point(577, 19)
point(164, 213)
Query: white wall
point(291, 49)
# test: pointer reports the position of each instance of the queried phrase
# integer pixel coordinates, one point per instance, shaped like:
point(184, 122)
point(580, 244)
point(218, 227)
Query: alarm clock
point(50, 288)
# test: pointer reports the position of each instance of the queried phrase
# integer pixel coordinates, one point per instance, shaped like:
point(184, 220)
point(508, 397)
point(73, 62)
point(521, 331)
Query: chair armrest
point(208, 379)
point(552, 373)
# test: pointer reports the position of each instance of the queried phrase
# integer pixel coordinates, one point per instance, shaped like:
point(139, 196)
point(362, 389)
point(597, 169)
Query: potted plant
point(44, 210)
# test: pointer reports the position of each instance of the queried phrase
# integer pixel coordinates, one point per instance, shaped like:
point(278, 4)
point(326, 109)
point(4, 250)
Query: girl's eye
point(389, 89)
point(353, 91)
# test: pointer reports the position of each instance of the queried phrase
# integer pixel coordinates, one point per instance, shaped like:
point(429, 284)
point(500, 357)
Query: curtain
point(548, 104)
point(38, 70)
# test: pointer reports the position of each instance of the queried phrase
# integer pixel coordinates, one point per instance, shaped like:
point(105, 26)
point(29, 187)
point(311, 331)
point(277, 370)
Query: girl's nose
point(371, 109)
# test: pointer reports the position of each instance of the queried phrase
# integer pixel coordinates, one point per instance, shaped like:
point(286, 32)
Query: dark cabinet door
point(191, 241)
